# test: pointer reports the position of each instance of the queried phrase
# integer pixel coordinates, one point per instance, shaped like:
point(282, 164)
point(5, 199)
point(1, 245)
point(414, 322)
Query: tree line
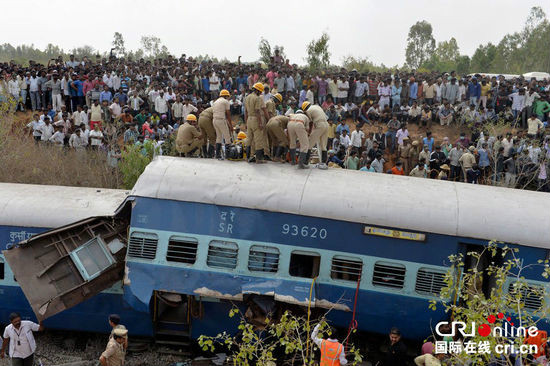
point(517, 53)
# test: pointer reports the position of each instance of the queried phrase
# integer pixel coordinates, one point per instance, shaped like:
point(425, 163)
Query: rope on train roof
point(308, 315)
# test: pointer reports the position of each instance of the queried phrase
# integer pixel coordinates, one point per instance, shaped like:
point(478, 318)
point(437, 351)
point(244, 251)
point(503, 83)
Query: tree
point(118, 44)
point(361, 64)
point(290, 334)
point(265, 51)
point(83, 51)
point(484, 287)
point(318, 55)
point(152, 46)
point(420, 44)
point(482, 60)
point(447, 50)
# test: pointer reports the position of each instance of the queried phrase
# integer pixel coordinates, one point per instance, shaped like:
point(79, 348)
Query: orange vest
point(330, 353)
point(540, 341)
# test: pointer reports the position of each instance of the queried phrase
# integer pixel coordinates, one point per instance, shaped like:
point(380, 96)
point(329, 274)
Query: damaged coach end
point(63, 267)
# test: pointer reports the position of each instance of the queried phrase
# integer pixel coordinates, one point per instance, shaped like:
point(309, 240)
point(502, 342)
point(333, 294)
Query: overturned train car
point(196, 237)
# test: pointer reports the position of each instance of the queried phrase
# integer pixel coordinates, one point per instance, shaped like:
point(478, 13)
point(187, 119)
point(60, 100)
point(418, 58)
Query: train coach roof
point(425, 205)
point(29, 205)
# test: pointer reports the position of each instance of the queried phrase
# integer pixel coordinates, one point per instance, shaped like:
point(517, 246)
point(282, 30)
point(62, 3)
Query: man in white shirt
point(161, 106)
point(214, 85)
point(34, 90)
point(357, 137)
point(36, 125)
point(188, 108)
point(77, 140)
point(360, 87)
point(58, 137)
point(330, 348)
point(343, 86)
point(46, 130)
point(21, 340)
point(115, 108)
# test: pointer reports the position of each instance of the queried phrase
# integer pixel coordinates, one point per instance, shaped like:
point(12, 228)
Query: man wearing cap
point(19, 335)
point(222, 121)
point(254, 113)
point(189, 139)
point(114, 322)
point(114, 352)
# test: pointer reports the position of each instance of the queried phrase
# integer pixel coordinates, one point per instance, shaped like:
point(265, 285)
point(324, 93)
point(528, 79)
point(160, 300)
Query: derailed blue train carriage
point(27, 210)
point(202, 236)
point(220, 232)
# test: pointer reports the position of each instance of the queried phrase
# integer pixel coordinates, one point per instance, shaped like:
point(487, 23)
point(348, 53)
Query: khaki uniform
point(271, 108)
point(188, 138)
point(256, 137)
point(297, 131)
point(114, 353)
point(404, 155)
point(319, 134)
point(221, 105)
point(276, 130)
point(207, 127)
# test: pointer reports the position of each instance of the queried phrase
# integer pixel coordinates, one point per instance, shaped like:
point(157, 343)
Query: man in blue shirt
point(242, 81)
point(105, 95)
point(474, 91)
point(78, 92)
point(429, 141)
point(341, 127)
point(413, 91)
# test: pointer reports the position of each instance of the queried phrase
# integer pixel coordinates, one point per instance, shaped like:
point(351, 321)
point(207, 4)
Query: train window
point(530, 296)
point(389, 275)
point(429, 281)
point(263, 259)
point(347, 269)
point(304, 264)
point(222, 254)
point(92, 258)
point(182, 250)
point(2, 269)
point(143, 245)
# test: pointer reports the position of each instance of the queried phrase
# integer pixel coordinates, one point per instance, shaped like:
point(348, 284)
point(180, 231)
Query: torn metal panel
point(61, 268)
point(142, 280)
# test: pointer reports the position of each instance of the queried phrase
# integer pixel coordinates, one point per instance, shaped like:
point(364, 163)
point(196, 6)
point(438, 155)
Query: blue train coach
point(204, 235)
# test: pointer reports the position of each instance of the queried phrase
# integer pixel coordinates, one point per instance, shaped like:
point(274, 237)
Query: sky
point(222, 28)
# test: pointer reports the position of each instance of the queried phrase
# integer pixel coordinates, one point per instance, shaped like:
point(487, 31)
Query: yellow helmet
point(225, 93)
point(259, 87)
point(191, 117)
point(279, 97)
point(241, 135)
point(305, 105)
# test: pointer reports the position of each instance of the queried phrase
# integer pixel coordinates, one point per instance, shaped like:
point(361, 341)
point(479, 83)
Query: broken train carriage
point(204, 235)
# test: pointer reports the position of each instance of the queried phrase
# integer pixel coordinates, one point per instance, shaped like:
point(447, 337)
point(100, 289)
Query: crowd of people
point(280, 112)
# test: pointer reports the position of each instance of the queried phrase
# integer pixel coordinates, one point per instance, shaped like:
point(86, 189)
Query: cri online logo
point(508, 330)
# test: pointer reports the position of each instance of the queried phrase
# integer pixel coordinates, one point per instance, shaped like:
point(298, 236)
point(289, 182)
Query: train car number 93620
point(304, 231)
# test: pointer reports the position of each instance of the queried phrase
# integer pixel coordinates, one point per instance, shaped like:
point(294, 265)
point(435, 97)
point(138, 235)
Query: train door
point(485, 282)
point(172, 315)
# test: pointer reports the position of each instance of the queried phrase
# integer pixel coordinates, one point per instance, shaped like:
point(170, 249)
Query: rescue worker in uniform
point(276, 127)
point(332, 351)
point(298, 124)
point(114, 352)
point(271, 107)
point(222, 121)
point(319, 135)
point(114, 322)
point(208, 132)
point(255, 113)
point(189, 139)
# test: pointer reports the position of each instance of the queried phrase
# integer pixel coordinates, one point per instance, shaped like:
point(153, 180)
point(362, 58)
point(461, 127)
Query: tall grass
point(24, 161)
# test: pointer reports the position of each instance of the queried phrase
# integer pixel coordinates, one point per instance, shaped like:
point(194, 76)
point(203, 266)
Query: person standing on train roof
point(114, 322)
point(332, 351)
point(114, 352)
point(19, 336)
point(397, 351)
point(319, 134)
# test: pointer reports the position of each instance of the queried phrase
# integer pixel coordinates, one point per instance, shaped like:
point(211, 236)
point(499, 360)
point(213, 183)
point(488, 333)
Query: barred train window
point(222, 254)
point(263, 259)
point(182, 250)
point(531, 296)
point(429, 281)
point(389, 275)
point(347, 269)
point(143, 245)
